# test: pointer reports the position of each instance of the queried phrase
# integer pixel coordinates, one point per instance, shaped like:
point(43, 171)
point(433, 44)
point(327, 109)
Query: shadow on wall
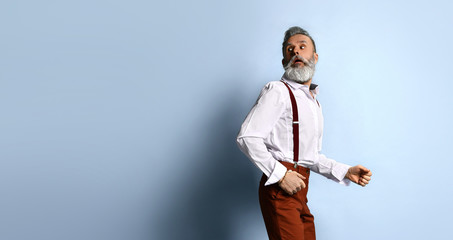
point(225, 189)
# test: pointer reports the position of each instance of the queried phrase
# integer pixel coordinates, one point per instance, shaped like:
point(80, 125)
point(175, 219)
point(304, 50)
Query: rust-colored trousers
point(285, 216)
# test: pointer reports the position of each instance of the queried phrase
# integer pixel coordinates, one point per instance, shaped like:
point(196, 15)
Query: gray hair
point(293, 31)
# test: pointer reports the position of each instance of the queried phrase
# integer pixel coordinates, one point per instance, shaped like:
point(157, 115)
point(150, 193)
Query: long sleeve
point(266, 135)
point(331, 169)
point(256, 128)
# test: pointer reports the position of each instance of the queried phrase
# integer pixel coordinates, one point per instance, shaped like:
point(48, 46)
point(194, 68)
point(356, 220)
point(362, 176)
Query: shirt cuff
point(339, 172)
point(277, 174)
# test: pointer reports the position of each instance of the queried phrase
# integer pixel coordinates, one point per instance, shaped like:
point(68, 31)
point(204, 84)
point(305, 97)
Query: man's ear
point(283, 62)
point(315, 55)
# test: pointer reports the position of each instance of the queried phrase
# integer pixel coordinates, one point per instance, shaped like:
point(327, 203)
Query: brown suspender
point(295, 125)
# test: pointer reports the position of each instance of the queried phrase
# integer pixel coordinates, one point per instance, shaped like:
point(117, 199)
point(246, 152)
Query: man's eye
point(302, 47)
point(290, 49)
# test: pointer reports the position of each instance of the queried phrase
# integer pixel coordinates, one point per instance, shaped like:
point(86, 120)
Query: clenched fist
point(292, 182)
point(359, 174)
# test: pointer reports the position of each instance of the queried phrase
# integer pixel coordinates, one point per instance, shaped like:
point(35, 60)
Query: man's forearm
point(255, 149)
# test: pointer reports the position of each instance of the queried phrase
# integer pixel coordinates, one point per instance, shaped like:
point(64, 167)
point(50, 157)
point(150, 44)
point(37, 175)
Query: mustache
point(297, 57)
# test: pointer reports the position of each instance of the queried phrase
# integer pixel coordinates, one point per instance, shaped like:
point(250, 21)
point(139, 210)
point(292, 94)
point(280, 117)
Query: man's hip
point(286, 216)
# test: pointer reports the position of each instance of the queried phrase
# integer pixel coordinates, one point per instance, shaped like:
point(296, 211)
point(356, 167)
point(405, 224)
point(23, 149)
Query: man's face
point(299, 45)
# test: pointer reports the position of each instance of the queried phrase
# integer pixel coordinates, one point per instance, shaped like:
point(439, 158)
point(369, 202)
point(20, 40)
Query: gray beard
point(300, 74)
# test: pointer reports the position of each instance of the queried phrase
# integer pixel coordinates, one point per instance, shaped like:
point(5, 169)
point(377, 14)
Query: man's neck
point(307, 83)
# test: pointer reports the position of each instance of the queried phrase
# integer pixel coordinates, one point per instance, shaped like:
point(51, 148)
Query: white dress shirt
point(266, 135)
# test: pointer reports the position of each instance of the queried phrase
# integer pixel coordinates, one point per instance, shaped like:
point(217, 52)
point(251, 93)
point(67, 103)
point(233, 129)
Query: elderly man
point(282, 136)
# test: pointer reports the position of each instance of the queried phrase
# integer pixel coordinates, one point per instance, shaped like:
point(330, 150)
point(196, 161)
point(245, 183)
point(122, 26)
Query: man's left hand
point(359, 174)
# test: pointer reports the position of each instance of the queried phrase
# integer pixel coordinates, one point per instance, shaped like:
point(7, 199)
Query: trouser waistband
point(298, 168)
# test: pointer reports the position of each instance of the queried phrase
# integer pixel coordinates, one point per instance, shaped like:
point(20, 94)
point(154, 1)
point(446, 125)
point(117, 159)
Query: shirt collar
point(295, 85)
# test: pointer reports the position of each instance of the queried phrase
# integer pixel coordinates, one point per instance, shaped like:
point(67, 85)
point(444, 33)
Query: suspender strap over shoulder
point(295, 125)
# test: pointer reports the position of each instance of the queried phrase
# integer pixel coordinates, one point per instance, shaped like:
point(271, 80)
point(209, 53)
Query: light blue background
point(118, 118)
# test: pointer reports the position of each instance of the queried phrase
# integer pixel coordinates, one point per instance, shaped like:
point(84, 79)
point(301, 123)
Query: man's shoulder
point(274, 90)
point(274, 85)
